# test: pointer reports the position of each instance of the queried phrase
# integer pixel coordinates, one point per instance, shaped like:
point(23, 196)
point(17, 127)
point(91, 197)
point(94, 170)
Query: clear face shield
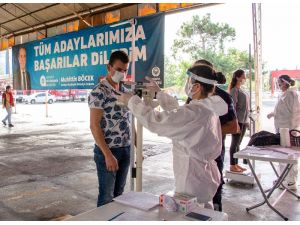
point(188, 87)
point(190, 82)
point(282, 84)
point(277, 86)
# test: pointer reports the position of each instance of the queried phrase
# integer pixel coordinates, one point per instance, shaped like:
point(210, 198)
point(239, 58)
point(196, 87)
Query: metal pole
point(15, 101)
point(250, 79)
point(250, 76)
point(132, 155)
point(46, 103)
point(139, 132)
point(256, 18)
point(139, 157)
point(134, 172)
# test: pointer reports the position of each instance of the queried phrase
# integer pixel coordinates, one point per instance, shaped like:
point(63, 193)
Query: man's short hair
point(7, 87)
point(118, 55)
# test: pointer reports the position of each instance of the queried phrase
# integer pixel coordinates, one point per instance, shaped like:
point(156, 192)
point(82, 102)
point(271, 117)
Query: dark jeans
point(235, 143)
point(217, 199)
point(111, 184)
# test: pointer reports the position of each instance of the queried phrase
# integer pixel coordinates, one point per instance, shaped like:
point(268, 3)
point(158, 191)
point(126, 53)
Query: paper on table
point(129, 216)
point(139, 200)
point(284, 150)
point(274, 151)
point(268, 153)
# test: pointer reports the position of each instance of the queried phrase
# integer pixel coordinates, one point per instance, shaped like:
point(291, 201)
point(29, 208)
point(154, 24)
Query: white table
point(159, 213)
point(271, 154)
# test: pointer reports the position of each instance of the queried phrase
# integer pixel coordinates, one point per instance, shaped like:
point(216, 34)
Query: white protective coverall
point(287, 115)
point(195, 131)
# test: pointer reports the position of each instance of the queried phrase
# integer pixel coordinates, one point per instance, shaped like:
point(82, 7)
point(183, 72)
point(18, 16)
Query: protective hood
point(215, 103)
point(293, 89)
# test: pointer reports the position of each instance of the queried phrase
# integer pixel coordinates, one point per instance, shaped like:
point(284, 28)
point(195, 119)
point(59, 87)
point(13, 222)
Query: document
point(139, 200)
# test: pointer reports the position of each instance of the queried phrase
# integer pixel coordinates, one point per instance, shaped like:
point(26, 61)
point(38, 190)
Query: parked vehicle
point(19, 96)
point(39, 98)
point(61, 95)
point(79, 95)
point(70, 95)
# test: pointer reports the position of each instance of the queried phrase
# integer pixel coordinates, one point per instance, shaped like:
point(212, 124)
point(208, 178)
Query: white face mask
point(243, 82)
point(118, 76)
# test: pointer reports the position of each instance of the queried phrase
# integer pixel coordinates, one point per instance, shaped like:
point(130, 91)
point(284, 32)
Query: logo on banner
point(43, 81)
point(155, 71)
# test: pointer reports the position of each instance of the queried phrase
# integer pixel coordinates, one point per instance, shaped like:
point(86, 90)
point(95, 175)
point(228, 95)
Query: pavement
point(47, 169)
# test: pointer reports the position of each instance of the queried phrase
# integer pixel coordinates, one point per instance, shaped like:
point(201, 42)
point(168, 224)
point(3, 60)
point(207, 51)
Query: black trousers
point(235, 143)
point(217, 199)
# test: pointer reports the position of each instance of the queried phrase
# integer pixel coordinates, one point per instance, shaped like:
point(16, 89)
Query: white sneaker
point(289, 185)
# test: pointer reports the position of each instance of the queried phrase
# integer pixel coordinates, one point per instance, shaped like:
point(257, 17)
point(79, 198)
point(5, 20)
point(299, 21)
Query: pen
point(116, 216)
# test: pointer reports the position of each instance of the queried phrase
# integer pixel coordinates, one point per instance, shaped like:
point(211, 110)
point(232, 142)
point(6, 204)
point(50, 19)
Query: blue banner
point(77, 60)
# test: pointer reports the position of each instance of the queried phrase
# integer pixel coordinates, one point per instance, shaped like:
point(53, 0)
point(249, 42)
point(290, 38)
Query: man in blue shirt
point(110, 126)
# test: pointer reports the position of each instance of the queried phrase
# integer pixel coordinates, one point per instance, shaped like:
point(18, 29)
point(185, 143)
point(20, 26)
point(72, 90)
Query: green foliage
point(200, 38)
point(202, 33)
point(227, 62)
point(175, 73)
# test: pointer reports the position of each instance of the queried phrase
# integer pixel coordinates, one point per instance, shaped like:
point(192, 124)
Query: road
point(47, 168)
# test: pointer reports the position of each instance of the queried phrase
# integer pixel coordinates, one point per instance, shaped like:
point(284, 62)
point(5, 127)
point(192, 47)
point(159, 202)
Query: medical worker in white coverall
point(195, 131)
point(287, 115)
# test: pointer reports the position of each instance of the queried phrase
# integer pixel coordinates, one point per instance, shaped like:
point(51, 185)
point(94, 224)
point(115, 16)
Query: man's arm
point(95, 118)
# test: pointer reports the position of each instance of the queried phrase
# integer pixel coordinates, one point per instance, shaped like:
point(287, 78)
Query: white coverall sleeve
point(293, 104)
point(173, 124)
point(166, 101)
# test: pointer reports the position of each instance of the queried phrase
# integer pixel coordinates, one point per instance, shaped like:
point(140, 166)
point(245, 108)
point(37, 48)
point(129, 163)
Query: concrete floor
point(47, 169)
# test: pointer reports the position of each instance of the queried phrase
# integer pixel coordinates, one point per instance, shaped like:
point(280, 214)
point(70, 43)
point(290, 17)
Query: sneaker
point(10, 125)
point(289, 185)
point(4, 124)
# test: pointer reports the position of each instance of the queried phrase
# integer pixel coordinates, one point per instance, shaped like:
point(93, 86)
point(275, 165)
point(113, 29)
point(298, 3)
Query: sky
point(280, 29)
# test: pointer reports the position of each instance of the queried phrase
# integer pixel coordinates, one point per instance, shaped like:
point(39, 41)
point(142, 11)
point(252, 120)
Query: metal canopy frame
point(60, 13)
point(23, 18)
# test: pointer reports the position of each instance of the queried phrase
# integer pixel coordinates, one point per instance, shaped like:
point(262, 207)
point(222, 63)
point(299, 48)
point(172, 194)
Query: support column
point(257, 43)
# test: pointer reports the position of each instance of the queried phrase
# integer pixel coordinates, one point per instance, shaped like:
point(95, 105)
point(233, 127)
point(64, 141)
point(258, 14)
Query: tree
point(202, 33)
point(200, 38)
point(175, 74)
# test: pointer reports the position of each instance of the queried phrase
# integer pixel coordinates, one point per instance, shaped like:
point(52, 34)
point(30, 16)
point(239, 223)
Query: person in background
point(241, 101)
point(8, 103)
point(287, 115)
point(195, 131)
point(110, 126)
point(229, 125)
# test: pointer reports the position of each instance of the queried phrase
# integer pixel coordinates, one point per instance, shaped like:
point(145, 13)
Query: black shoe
point(10, 125)
point(4, 124)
